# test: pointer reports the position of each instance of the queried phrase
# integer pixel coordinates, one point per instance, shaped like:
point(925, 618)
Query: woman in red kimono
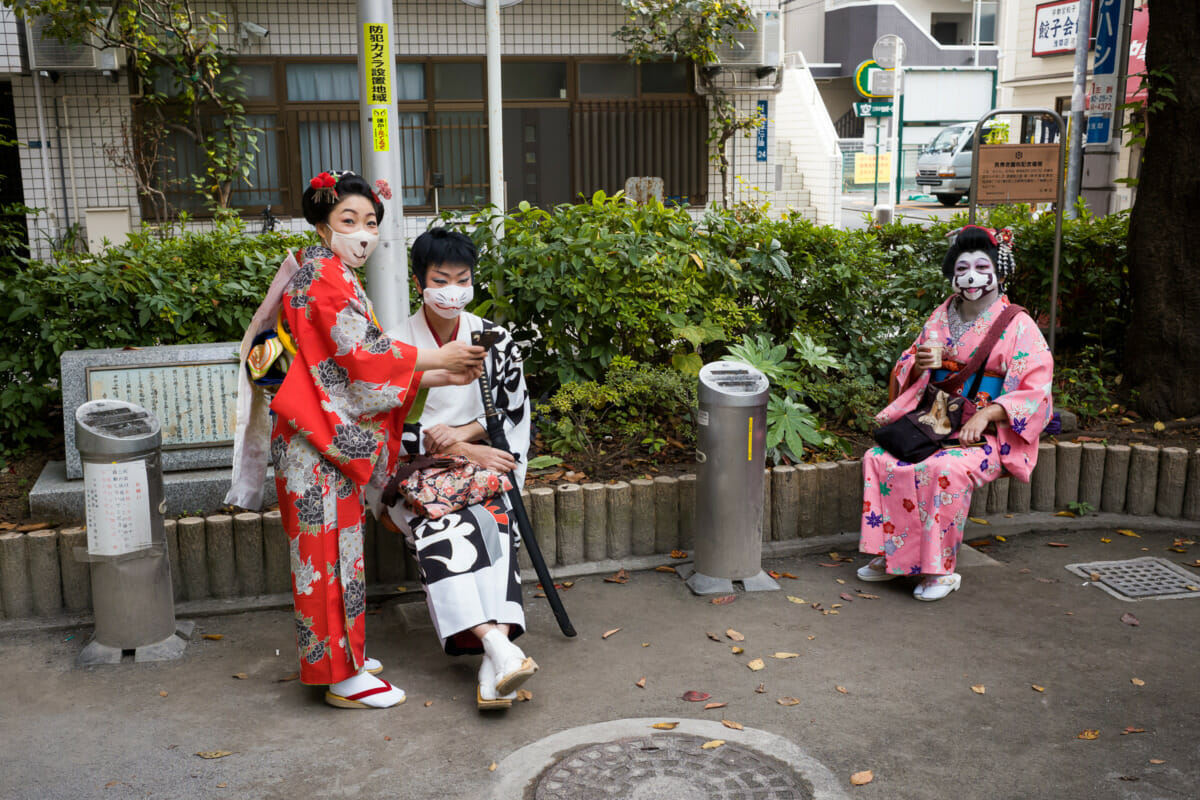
point(329, 439)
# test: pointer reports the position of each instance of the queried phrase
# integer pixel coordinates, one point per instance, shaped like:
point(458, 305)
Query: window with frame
point(308, 115)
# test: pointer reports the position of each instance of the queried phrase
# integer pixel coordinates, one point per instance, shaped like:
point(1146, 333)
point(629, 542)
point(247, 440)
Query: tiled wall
point(92, 110)
point(10, 48)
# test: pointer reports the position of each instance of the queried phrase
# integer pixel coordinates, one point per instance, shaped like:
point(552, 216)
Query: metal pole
point(1058, 206)
point(894, 143)
point(495, 116)
point(1075, 150)
point(47, 175)
point(379, 125)
point(975, 31)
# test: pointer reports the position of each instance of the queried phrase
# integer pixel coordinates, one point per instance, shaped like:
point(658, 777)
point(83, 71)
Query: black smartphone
point(486, 339)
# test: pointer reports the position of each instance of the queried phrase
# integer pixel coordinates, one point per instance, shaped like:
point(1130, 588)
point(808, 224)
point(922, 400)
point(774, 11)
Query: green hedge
point(589, 283)
point(155, 289)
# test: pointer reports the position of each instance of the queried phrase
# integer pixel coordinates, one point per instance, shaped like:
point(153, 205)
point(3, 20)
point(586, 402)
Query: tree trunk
point(1163, 344)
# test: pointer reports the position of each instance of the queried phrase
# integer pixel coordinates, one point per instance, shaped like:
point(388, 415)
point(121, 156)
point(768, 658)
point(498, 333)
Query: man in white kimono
point(468, 558)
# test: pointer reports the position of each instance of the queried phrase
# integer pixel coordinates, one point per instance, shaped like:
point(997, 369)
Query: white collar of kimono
point(975, 279)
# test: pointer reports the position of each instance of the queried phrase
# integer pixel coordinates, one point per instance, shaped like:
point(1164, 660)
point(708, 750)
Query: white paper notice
point(118, 507)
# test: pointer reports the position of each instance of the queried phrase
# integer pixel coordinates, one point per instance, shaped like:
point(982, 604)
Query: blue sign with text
point(760, 150)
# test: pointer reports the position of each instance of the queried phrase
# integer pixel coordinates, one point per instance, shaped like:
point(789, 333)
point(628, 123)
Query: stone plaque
point(190, 389)
point(196, 404)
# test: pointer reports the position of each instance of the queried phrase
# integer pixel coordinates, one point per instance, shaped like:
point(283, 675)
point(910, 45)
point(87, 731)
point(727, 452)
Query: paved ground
point(908, 712)
point(857, 208)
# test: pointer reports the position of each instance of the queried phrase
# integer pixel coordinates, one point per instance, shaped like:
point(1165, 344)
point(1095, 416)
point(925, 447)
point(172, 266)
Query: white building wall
point(92, 111)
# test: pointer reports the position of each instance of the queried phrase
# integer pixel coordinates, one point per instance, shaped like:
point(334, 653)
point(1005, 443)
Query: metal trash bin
point(731, 449)
point(120, 446)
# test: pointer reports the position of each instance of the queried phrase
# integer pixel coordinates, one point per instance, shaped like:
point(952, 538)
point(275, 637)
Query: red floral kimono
point(329, 440)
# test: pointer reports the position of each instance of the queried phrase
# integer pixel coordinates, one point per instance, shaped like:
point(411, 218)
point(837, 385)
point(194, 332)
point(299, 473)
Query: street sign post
point(888, 52)
point(1104, 72)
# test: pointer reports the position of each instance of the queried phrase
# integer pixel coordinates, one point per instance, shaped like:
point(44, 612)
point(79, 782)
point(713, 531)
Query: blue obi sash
point(990, 385)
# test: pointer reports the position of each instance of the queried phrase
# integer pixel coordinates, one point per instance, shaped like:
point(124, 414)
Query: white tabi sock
point(505, 655)
point(361, 683)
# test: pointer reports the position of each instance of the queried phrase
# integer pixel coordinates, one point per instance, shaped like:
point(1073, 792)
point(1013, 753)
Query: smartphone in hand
point(486, 339)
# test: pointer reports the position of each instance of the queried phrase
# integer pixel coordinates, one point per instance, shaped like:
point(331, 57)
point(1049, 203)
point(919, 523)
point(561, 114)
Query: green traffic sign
point(874, 109)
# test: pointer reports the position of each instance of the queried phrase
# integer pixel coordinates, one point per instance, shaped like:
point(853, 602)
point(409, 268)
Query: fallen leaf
point(1065, 514)
point(732, 634)
point(295, 676)
point(811, 638)
point(712, 636)
point(713, 745)
point(788, 701)
point(111, 784)
point(428, 703)
point(736, 650)
point(724, 601)
point(1137, 681)
point(1095, 576)
point(1130, 619)
point(1192, 588)
point(789, 575)
point(609, 633)
point(862, 778)
point(1024, 570)
point(214, 753)
point(1157, 761)
point(679, 554)
point(241, 676)
point(162, 694)
point(1106, 541)
point(710, 706)
point(620, 576)
point(567, 584)
point(762, 689)
point(221, 785)
point(1057, 544)
point(979, 521)
point(664, 569)
point(30, 527)
point(1045, 580)
point(842, 689)
point(645, 644)
point(836, 605)
point(524, 695)
point(1132, 729)
point(665, 726)
point(387, 738)
point(1001, 538)
point(641, 683)
point(798, 600)
point(773, 574)
point(492, 766)
point(841, 581)
point(737, 726)
point(846, 596)
point(866, 595)
point(1037, 688)
point(1128, 533)
point(824, 564)
point(692, 696)
point(1089, 734)
point(1160, 427)
point(978, 688)
point(216, 637)
point(785, 655)
point(756, 664)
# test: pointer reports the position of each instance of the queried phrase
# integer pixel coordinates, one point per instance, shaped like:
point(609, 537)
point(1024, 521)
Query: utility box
point(731, 448)
point(120, 447)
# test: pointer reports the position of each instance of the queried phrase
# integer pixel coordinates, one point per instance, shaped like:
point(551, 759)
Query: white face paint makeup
point(974, 276)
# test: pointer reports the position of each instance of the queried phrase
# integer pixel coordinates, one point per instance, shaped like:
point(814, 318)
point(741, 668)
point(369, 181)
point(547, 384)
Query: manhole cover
point(667, 766)
point(1145, 578)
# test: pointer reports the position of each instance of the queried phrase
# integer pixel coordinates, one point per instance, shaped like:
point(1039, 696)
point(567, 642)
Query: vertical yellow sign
point(378, 63)
point(379, 129)
point(750, 441)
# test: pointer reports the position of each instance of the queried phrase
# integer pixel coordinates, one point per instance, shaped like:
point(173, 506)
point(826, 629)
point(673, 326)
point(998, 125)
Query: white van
point(944, 165)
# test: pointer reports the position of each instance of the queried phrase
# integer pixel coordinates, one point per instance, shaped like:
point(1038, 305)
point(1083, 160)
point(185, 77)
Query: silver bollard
point(120, 445)
point(731, 448)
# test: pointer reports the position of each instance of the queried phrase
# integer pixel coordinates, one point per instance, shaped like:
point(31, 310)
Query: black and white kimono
point(468, 559)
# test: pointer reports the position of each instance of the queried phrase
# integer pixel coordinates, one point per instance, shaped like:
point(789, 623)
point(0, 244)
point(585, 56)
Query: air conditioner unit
point(49, 53)
point(761, 47)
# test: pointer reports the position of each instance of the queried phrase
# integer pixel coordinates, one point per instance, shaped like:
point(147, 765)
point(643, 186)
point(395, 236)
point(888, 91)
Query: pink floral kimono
point(914, 514)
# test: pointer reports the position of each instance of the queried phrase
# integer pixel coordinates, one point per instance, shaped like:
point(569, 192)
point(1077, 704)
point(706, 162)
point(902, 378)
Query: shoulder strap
point(979, 360)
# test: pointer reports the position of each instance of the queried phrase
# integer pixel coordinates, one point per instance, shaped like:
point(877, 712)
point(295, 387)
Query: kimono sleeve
point(360, 371)
point(1027, 395)
point(910, 382)
point(512, 400)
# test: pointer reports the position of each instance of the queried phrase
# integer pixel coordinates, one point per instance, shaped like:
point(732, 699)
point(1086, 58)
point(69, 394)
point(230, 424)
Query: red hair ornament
point(323, 184)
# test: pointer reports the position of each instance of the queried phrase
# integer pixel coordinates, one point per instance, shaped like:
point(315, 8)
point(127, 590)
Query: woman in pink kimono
point(913, 514)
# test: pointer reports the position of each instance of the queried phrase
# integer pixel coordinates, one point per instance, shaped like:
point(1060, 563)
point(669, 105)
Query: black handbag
point(942, 412)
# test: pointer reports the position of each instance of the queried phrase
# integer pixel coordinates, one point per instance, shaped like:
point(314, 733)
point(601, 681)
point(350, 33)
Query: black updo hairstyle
point(317, 211)
point(442, 246)
point(968, 240)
